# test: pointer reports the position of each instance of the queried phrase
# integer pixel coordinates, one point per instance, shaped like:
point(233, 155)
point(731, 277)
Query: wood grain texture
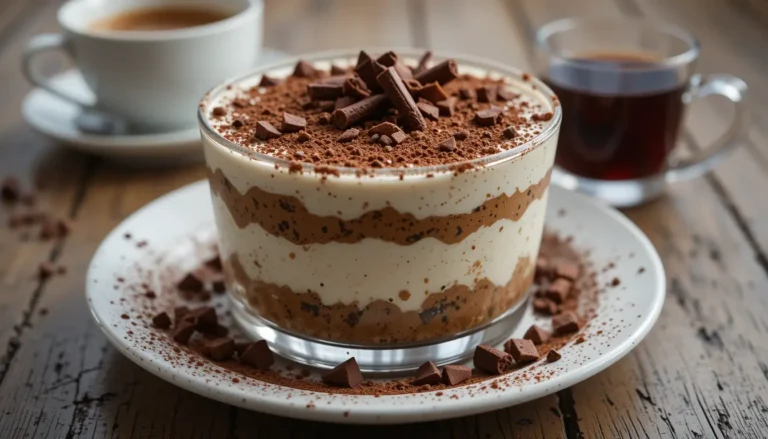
point(703, 371)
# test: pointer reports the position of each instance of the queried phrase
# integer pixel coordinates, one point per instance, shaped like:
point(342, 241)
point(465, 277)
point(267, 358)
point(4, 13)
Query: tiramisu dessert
point(380, 200)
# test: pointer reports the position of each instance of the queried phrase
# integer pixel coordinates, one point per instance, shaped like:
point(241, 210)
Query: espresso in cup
point(160, 18)
point(622, 132)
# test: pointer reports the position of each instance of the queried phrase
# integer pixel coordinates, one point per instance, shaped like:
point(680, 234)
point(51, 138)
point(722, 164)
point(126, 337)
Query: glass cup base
point(377, 360)
point(618, 193)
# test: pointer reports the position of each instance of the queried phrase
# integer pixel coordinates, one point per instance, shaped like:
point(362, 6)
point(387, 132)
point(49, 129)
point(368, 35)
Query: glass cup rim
point(400, 173)
point(546, 31)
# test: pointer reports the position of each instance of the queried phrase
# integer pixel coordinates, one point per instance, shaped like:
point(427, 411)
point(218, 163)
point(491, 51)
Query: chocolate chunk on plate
point(346, 374)
point(536, 335)
point(205, 315)
point(293, 123)
point(220, 349)
point(565, 323)
point(456, 374)
point(266, 131)
point(214, 263)
point(491, 360)
point(183, 332)
point(179, 312)
point(258, 355)
point(545, 306)
point(558, 290)
point(523, 351)
point(161, 321)
point(10, 189)
point(553, 356)
point(428, 373)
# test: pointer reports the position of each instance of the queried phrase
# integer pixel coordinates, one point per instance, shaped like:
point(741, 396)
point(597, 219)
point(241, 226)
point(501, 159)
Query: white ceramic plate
point(178, 228)
point(55, 118)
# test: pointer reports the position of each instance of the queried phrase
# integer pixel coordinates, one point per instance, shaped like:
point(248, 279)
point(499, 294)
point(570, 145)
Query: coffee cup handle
point(701, 161)
point(38, 45)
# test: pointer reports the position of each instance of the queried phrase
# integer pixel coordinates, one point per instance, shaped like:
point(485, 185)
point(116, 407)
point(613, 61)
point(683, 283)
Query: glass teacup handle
point(701, 161)
point(48, 43)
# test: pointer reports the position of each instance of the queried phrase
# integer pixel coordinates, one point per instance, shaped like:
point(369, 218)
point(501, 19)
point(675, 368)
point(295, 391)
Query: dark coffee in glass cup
point(624, 85)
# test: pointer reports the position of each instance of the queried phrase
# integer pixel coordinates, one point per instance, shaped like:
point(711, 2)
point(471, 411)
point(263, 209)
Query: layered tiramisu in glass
point(379, 204)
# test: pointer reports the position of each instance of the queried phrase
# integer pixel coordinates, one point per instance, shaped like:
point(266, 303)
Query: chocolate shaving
point(324, 92)
point(304, 70)
point(190, 283)
point(398, 137)
point(348, 135)
point(433, 93)
point(303, 137)
point(390, 59)
point(343, 102)
point(443, 73)
point(536, 335)
point(397, 93)
point(368, 72)
point(447, 107)
point(220, 349)
point(267, 81)
point(558, 290)
point(266, 131)
point(447, 145)
point(567, 270)
point(467, 94)
point(489, 117)
point(355, 87)
point(509, 132)
point(503, 94)
point(333, 80)
point(523, 351)
point(456, 374)
point(336, 70)
point(293, 123)
point(486, 94)
point(565, 323)
point(545, 306)
point(414, 87)
point(361, 110)
point(428, 110)
point(423, 62)
point(387, 128)
point(362, 57)
point(183, 332)
point(161, 321)
point(553, 356)
point(326, 105)
point(179, 312)
point(258, 355)
point(346, 374)
point(428, 373)
point(491, 360)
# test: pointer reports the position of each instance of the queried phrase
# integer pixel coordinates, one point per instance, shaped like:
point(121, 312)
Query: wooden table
point(702, 372)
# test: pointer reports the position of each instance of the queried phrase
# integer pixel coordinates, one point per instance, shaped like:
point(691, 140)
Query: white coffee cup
point(153, 79)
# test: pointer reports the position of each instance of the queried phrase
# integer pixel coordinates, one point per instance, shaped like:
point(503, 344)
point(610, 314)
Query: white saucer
point(173, 237)
point(55, 118)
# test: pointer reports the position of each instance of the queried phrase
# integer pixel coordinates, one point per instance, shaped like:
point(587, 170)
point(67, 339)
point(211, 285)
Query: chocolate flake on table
point(489, 117)
point(190, 283)
point(368, 71)
point(361, 110)
point(162, 321)
point(558, 290)
point(509, 132)
point(10, 189)
point(343, 102)
point(447, 107)
point(266, 131)
point(348, 135)
point(443, 73)
point(355, 87)
point(491, 360)
point(304, 70)
point(428, 373)
point(428, 110)
point(553, 356)
point(423, 63)
point(486, 94)
point(324, 92)
point(565, 323)
point(455, 374)
point(220, 349)
point(536, 335)
point(258, 355)
point(447, 145)
point(397, 93)
point(567, 270)
point(336, 70)
point(293, 123)
point(545, 306)
point(523, 351)
point(183, 332)
point(433, 93)
point(346, 374)
point(267, 81)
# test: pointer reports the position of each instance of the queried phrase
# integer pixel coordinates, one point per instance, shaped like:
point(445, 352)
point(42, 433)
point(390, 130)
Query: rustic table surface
point(702, 372)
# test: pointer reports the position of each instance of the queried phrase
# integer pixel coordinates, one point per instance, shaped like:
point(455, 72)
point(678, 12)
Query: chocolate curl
point(362, 57)
point(398, 94)
point(390, 59)
point(443, 73)
point(361, 110)
point(324, 92)
point(423, 61)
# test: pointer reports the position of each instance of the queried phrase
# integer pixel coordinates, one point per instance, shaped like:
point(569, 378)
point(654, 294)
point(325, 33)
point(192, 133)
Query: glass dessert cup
point(392, 266)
